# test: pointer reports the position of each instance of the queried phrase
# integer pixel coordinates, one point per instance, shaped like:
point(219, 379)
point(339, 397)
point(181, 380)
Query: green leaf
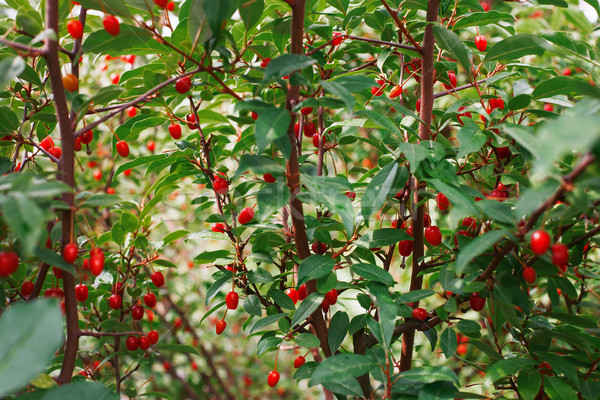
point(138, 161)
point(271, 125)
point(81, 391)
point(381, 121)
point(31, 333)
point(217, 13)
point(258, 164)
point(382, 237)
point(448, 342)
point(251, 13)
point(100, 200)
point(307, 340)
point(482, 18)
point(271, 199)
point(330, 191)
point(471, 139)
point(216, 287)
point(198, 27)
point(497, 211)
point(558, 389)
point(507, 367)
point(517, 46)
point(338, 327)
point(9, 122)
point(210, 256)
point(528, 383)
point(428, 374)
point(115, 7)
point(314, 267)
point(414, 295)
point(451, 42)
point(475, 248)
point(387, 314)
point(173, 236)
point(564, 85)
point(374, 273)
point(131, 40)
point(281, 299)
point(25, 218)
point(306, 308)
point(379, 189)
point(10, 68)
point(251, 305)
point(576, 320)
point(177, 348)
point(53, 259)
point(456, 195)
point(266, 321)
point(437, 391)
point(338, 90)
point(342, 367)
point(341, 5)
point(286, 64)
point(266, 343)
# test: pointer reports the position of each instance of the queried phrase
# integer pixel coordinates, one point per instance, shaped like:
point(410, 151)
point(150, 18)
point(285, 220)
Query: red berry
point(395, 92)
point(150, 145)
point(150, 300)
point(306, 110)
point(70, 252)
point(28, 286)
point(567, 72)
point(405, 247)
point(132, 111)
point(246, 215)
point(231, 300)
point(254, 115)
point(153, 337)
point(377, 90)
point(420, 314)
point(111, 25)
point(299, 361)
point(183, 85)
point(465, 114)
point(171, 6)
point(76, 147)
point(127, 172)
point(75, 29)
point(302, 294)
point(220, 327)
point(86, 137)
point(433, 235)
point(529, 274)
point(337, 38)
point(480, 42)
point(310, 129)
point(144, 343)
point(122, 148)
point(540, 241)
point(273, 378)
point(418, 105)
point(452, 79)
point(175, 131)
point(56, 152)
point(57, 272)
point(292, 294)
point(157, 278)
point(96, 264)
point(137, 312)
point(9, 263)
point(560, 254)
point(496, 103)
point(132, 343)
point(331, 297)
point(161, 3)
point(218, 227)
point(477, 302)
point(81, 292)
point(426, 220)
point(191, 121)
point(115, 301)
point(265, 61)
point(350, 195)
point(269, 178)
point(470, 223)
point(463, 233)
point(315, 139)
point(318, 248)
point(220, 185)
point(70, 82)
point(442, 201)
point(47, 143)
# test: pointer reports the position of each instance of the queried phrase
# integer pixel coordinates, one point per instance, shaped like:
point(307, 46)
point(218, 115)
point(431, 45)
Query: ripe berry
point(567, 72)
point(442, 201)
point(150, 145)
point(220, 327)
point(231, 300)
point(302, 294)
point(315, 139)
point(220, 185)
point(28, 286)
point(218, 227)
point(350, 195)
point(529, 274)
point(496, 103)
point(96, 264)
point(306, 110)
point(111, 25)
point(405, 247)
point(465, 114)
point(115, 301)
point(157, 278)
point(56, 152)
point(480, 42)
point(123, 148)
point(337, 38)
point(47, 143)
point(183, 85)
point(161, 3)
point(418, 105)
point(191, 121)
point(131, 112)
point(265, 61)
point(269, 178)
point(395, 92)
point(114, 78)
point(70, 82)
point(137, 312)
point(75, 29)
point(246, 215)
point(273, 378)
point(470, 223)
point(175, 131)
point(254, 115)
point(310, 129)
point(540, 241)
point(477, 302)
point(9, 263)
point(150, 300)
point(76, 147)
point(132, 343)
point(331, 297)
point(153, 337)
point(299, 361)
point(560, 254)
point(81, 292)
point(433, 235)
point(171, 6)
point(86, 137)
point(420, 314)
point(452, 79)
point(292, 294)
point(70, 252)
point(426, 220)
point(144, 343)
point(377, 91)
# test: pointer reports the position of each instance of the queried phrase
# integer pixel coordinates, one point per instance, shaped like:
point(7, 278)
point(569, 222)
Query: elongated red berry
point(231, 300)
point(246, 215)
point(70, 252)
point(123, 148)
point(111, 25)
point(75, 29)
point(420, 314)
point(273, 378)
point(220, 327)
point(477, 302)
point(481, 42)
point(81, 292)
point(529, 274)
point(183, 85)
point(175, 131)
point(560, 254)
point(157, 278)
point(433, 235)
point(299, 361)
point(292, 294)
point(150, 300)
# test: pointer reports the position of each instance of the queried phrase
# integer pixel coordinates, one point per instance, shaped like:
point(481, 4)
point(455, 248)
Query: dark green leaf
point(314, 267)
point(482, 18)
point(338, 327)
point(286, 64)
point(382, 237)
point(307, 340)
point(374, 273)
point(451, 42)
point(10, 68)
point(281, 299)
point(177, 348)
point(266, 321)
point(448, 342)
point(81, 391)
point(251, 305)
point(25, 218)
point(528, 383)
point(271, 125)
point(342, 367)
point(517, 46)
point(379, 189)
point(307, 307)
point(251, 12)
point(475, 248)
point(507, 367)
point(558, 389)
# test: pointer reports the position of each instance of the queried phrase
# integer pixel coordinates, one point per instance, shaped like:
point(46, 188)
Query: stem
point(66, 167)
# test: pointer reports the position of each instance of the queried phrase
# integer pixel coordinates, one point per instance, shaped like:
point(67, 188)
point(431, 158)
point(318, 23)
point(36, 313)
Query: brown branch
point(384, 43)
point(400, 25)
point(103, 334)
point(30, 51)
point(459, 88)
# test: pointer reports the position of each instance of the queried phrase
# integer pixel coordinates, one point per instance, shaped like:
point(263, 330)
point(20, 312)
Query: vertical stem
point(293, 176)
point(416, 281)
point(66, 167)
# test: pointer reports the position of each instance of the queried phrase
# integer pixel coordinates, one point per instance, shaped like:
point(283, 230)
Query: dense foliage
point(266, 199)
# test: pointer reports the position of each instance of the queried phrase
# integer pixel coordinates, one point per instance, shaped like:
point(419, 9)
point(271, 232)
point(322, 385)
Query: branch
point(30, 51)
point(102, 334)
point(383, 42)
point(459, 88)
point(400, 25)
